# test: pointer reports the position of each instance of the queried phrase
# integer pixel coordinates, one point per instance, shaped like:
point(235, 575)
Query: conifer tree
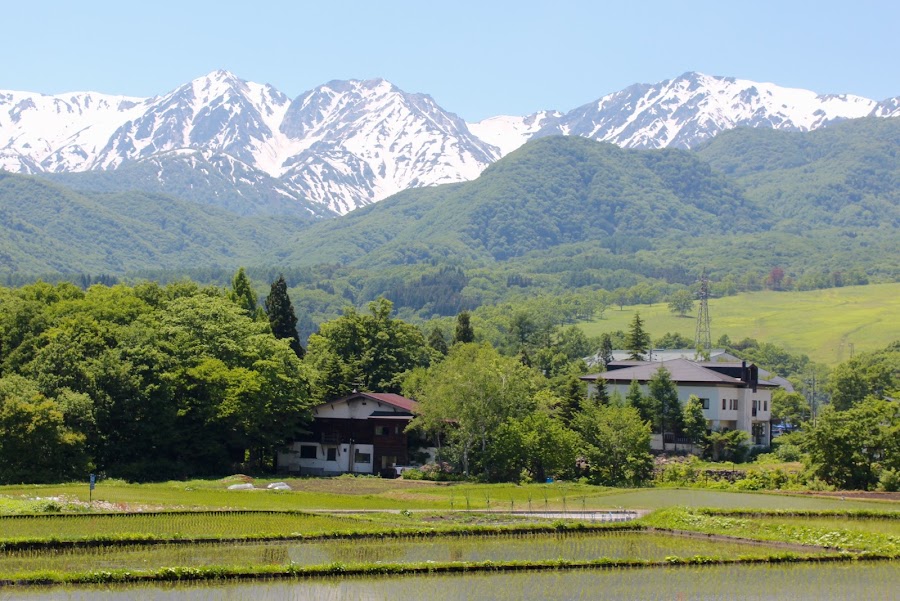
point(637, 341)
point(436, 340)
point(242, 293)
point(664, 394)
point(695, 425)
point(464, 332)
point(282, 317)
point(635, 398)
point(601, 395)
point(606, 349)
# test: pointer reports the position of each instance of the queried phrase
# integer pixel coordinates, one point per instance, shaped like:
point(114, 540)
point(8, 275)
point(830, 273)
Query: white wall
point(291, 461)
point(741, 418)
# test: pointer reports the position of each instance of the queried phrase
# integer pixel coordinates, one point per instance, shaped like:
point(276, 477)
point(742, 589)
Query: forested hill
point(47, 228)
point(559, 214)
point(845, 175)
point(551, 192)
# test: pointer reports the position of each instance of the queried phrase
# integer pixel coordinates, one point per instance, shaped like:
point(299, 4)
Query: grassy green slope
point(820, 323)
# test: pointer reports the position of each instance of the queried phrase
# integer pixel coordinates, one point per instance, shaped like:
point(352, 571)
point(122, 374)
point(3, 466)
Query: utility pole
point(703, 338)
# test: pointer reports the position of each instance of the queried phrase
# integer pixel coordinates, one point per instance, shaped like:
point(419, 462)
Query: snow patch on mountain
point(508, 132)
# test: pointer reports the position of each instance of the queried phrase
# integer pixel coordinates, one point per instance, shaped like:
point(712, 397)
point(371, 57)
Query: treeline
point(152, 381)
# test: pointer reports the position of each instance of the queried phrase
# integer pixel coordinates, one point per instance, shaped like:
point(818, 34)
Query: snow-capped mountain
point(508, 132)
point(689, 109)
point(59, 133)
point(360, 141)
point(346, 144)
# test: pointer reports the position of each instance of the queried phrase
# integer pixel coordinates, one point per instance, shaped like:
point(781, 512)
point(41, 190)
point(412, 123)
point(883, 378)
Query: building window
point(705, 403)
point(765, 405)
point(382, 430)
point(733, 404)
point(362, 457)
point(331, 454)
point(388, 461)
point(723, 404)
point(307, 451)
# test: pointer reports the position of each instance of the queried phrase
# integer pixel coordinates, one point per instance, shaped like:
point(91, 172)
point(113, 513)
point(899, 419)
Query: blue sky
point(477, 59)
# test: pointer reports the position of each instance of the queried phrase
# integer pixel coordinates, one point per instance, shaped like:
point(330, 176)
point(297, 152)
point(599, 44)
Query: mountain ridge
point(349, 143)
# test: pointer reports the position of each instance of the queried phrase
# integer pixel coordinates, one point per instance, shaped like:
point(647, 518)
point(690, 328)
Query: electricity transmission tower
point(703, 339)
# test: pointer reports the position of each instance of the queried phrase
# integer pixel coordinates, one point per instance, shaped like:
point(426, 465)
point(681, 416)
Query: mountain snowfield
point(347, 144)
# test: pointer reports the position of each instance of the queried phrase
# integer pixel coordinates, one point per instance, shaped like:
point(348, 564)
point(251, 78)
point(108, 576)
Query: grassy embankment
point(61, 544)
point(819, 323)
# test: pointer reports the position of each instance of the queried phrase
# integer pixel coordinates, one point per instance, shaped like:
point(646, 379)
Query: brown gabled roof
point(682, 372)
point(395, 400)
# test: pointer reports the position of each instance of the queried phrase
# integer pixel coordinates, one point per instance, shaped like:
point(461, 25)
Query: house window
point(723, 403)
point(765, 405)
point(331, 454)
point(705, 403)
point(733, 404)
point(362, 457)
point(388, 461)
point(307, 451)
point(382, 430)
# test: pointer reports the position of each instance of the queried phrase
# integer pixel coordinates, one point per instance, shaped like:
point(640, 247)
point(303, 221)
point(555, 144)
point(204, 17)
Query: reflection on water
point(869, 581)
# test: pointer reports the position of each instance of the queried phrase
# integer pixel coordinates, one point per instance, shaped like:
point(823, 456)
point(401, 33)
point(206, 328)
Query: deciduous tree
point(469, 395)
point(616, 445)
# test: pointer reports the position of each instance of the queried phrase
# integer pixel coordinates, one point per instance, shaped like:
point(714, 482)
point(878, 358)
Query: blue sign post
point(91, 491)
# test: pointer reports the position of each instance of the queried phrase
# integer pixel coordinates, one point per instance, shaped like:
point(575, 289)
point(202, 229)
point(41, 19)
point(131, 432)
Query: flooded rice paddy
point(518, 547)
point(819, 582)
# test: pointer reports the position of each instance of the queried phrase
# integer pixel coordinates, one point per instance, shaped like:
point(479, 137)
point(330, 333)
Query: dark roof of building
point(681, 370)
point(395, 400)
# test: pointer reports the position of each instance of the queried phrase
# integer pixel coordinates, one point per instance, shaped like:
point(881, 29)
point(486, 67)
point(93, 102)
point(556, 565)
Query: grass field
point(820, 323)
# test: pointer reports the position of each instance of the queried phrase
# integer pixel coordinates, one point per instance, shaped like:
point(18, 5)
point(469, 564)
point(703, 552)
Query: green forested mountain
point(561, 214)
point(198, 178)
point(846, 175)
point(553, 191)
point(46, 228)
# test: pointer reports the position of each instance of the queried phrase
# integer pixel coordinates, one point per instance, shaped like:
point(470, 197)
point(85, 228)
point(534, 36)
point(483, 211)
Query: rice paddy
point(574, 546)
point(808, 582)
point(357, 549)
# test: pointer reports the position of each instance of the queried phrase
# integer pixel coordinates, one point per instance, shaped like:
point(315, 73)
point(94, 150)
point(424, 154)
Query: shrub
point(889, 481)
point(413, 474)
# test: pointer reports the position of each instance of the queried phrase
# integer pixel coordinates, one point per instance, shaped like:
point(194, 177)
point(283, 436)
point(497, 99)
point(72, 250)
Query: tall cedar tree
point(464, 332)
point(637, 341)
point(436, 341)
point(282, 317)
point(242, 293)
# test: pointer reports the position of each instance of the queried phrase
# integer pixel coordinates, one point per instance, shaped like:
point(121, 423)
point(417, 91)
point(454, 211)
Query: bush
point(413, 474)
point(889, 481)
